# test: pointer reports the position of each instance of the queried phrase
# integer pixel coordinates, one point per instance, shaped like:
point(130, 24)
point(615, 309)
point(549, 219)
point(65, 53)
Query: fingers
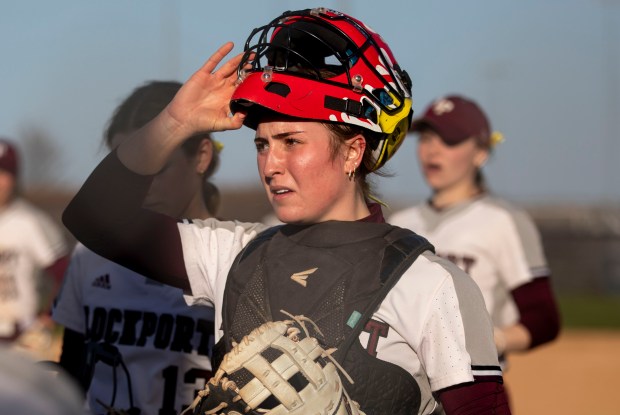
point(230, 67)
point(217, 57)
point(227, 71)
point(233, 122)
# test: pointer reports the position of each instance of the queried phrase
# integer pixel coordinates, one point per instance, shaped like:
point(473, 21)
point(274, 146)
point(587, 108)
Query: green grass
point(601, 312)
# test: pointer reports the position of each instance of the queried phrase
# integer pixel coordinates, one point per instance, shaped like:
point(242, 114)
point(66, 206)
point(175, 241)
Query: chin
point(436, 185)
point(288, 217)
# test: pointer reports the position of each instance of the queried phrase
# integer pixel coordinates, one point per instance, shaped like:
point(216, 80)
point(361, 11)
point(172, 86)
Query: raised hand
point(202, 104)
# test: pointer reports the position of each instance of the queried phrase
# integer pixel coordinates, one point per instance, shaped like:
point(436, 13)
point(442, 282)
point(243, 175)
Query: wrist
point(500, 341)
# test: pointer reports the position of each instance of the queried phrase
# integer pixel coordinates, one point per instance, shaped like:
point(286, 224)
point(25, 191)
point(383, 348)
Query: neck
point(5, 203)
point(350, 208)
point(447, 197)
point(196, 209)
point(361, 210)
point(354, 205)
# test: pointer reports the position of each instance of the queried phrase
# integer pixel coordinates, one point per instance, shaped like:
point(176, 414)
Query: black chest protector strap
point(382, 387)
point(399, 256)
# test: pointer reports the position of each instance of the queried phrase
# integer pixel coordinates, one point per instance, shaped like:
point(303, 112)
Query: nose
point(272, 164)
point(431, 145)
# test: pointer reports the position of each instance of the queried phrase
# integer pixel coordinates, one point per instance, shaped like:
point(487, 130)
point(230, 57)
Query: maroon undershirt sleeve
point(106, 215)
point(538, 310)
point(57, 269)
point(478, 398)
point(57, 272)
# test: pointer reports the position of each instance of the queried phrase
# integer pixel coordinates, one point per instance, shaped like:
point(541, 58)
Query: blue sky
point(546, 71)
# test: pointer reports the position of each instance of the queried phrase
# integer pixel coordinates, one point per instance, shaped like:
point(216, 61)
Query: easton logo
point(103, 281)
point(301, 277)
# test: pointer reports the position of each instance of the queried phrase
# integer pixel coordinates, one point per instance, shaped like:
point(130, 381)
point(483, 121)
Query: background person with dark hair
point(131, 342)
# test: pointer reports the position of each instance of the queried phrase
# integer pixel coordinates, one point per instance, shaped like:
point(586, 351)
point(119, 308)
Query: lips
point(279, 192)
point(431, 168)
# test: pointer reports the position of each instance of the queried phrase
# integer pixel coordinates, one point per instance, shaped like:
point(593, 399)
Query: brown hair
point(145, 103)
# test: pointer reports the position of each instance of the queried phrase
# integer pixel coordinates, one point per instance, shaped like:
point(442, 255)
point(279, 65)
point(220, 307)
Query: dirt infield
point(577, 374)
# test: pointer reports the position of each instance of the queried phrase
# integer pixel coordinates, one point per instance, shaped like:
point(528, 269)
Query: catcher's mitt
point(273, 371)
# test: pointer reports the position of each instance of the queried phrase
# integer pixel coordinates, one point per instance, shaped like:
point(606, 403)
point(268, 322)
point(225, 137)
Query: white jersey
point(420, 325)
point(497, 244)
point(29, 242)
point(165, 344)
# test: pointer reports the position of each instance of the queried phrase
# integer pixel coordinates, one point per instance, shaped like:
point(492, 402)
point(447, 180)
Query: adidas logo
point(103, 281)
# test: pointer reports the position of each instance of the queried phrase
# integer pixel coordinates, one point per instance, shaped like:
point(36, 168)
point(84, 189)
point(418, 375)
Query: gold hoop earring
point(351, 174)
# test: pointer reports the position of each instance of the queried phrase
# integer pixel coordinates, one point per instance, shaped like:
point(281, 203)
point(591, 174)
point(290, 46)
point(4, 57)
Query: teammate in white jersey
point(495, 242)
point(31, 245)
point(130, 341)
point(329, 105)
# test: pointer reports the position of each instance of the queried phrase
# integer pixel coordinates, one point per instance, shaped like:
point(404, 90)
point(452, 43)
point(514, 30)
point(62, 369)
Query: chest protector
point(337, 274)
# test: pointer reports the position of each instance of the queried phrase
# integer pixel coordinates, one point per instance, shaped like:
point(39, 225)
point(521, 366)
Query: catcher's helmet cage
point(320, 64)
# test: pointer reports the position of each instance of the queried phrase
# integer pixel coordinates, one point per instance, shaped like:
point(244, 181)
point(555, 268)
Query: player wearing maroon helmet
point(30, 242)
point(489, 238)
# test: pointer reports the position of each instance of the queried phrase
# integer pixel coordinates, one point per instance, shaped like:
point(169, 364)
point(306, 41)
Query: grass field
point(592, 312)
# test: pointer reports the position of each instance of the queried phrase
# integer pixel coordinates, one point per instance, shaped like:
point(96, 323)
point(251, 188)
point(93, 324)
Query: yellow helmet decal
point(389, 122)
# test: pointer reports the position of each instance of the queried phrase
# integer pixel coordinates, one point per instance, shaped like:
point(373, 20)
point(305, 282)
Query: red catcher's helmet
point(320, 64)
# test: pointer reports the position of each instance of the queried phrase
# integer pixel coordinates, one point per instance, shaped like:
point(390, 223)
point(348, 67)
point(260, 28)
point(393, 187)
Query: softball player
point(130, 341)
point(30, 242)
point(495, 242)
point(329, 105)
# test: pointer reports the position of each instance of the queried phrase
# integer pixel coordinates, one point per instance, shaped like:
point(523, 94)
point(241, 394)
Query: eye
point(261, 145)
point(424, 138)
point(290, 142)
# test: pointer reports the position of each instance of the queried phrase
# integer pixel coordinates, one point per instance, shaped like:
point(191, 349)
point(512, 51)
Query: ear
point(204, 155)
point(481, 157)
point(356, 147)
